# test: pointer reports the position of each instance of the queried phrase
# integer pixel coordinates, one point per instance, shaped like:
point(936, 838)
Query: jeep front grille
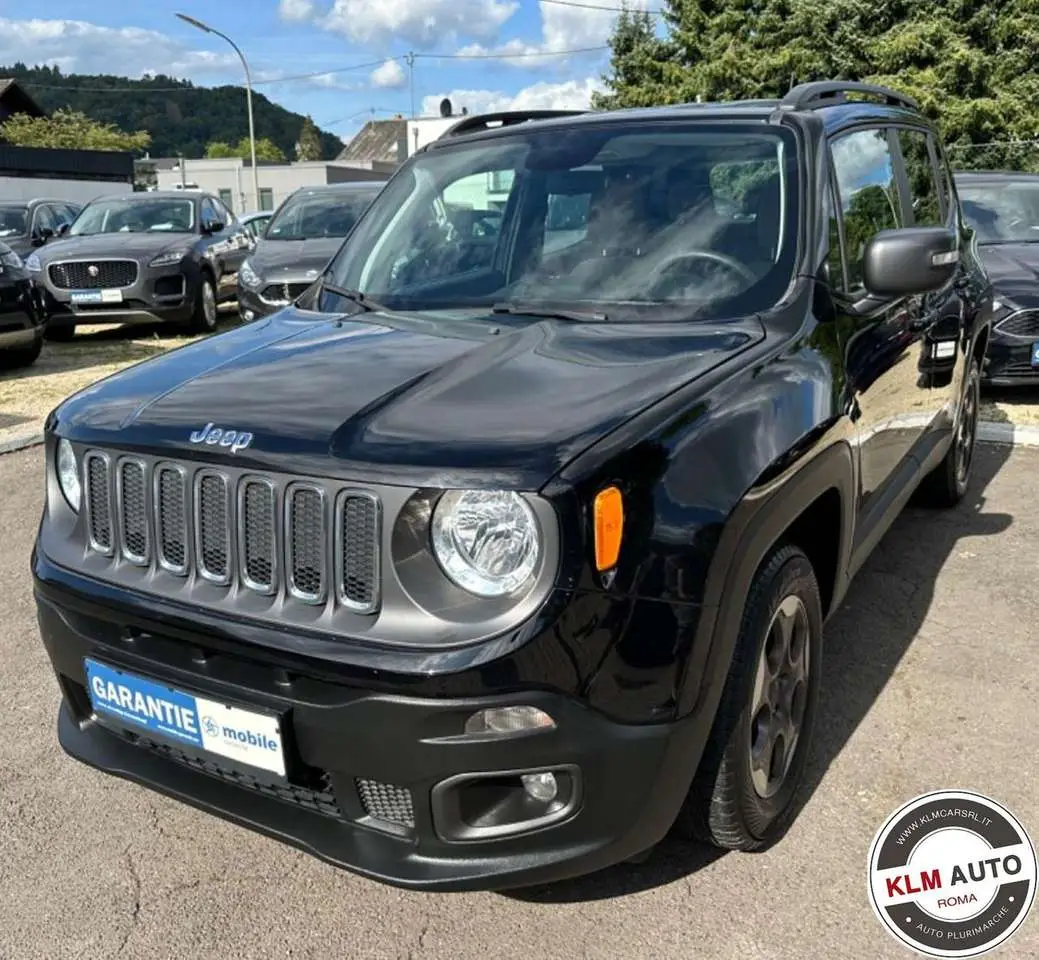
point(304, 541)
point(93, 274)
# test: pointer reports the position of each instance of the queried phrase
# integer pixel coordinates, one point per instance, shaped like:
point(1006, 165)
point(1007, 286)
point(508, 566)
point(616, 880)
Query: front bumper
point(158, 295)
point(340, 739)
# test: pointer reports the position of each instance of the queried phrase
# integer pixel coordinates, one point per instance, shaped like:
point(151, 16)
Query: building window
point(266, 198)
point(226, 198)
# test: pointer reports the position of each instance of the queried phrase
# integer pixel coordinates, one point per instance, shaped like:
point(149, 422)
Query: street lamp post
point(248, 97)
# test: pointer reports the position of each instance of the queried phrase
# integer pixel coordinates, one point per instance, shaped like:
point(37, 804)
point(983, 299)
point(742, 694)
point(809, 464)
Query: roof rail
point(823, 93)
point(505, 118)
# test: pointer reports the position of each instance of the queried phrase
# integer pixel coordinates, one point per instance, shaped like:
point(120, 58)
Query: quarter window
point(923, 181)
point(868, 192)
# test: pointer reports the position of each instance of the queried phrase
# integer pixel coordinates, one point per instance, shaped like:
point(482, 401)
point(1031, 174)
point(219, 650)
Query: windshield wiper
point(354, 296)
point(518, 308)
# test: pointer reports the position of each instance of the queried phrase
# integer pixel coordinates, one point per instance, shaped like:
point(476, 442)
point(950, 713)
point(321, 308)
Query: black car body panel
point(126, 287)
point(21, 322)
point(810, 422)
point(1010, 252)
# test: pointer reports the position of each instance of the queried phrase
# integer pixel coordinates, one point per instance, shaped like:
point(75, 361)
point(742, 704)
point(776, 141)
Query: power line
point(595, 6)
point(509, 56)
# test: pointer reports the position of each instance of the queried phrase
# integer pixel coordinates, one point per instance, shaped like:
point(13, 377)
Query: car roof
point(142, 195)
point(343, 186)
point(31, 200)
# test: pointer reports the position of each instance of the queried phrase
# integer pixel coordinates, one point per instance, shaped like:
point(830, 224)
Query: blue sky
point(483, 54)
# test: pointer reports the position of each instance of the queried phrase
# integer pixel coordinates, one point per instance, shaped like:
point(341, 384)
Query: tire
point(62, 333)
point(730, 804)
point(204, 317)
point(21, 356)
point(947, 484)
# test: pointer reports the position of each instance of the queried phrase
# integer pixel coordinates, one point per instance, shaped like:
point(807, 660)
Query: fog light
point(506, 720)
point(248, 315)
point(540, 786)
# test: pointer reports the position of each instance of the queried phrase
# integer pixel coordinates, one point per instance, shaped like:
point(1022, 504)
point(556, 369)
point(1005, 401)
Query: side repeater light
point(608, 512)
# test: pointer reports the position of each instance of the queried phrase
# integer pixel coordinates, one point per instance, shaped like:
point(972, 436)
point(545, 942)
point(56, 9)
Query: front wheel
point(946, 485)
point(742, 797)
point(204, 318)
point(21, 356)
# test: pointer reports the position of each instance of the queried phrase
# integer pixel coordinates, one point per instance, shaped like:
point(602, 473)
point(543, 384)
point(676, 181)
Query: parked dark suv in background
point(160, 256)
point(501, 552)
point(297, 243)
point(28, 224)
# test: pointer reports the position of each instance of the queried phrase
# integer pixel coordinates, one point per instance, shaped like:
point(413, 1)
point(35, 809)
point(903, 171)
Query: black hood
point(1014, 270)
point(101, 245)
point(293, 259)
point(439, 399)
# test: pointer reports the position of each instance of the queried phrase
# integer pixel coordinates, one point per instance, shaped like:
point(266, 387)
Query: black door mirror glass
point(63, 228)
point(909, 261)
point(212, 226)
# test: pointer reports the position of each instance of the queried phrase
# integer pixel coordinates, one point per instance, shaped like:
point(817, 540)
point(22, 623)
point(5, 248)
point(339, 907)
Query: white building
point(232, 180)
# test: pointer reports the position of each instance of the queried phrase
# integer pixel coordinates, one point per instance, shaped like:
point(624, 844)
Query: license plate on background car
point(143, 705)
point(1035, 354)
point(96, 296)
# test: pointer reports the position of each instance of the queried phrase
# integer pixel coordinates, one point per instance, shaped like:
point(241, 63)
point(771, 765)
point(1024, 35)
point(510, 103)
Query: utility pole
point(410, 59)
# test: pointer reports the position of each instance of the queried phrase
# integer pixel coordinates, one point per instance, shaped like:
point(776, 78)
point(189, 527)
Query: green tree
point(308, 147)
point(71, 130)
point(266, 149)
point(972, 64)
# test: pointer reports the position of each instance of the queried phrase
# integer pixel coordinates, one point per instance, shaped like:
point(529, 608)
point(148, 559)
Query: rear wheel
point(21, 356)
point(203, 320)
point(946, 485)
point(742, 797)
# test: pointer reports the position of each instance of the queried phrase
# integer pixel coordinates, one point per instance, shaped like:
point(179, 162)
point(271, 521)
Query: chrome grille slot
point(304, 550)
point(357, 550)
point(305, 532)
point(213, 527)
point(132, 500)
point(256, 531)
point(171, 518)
point(99, 503)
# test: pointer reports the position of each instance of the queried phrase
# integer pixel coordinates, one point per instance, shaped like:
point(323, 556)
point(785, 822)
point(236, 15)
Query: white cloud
point(296, 10)
point(424, 23)
point(570, 95)
point(562, 28)
point(389, 76)
point(77, 46)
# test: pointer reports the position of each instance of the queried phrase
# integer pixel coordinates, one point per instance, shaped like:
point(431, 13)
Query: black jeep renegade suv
point(509, 546)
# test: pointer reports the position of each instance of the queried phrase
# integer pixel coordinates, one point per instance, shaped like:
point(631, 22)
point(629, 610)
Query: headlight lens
point(32, 263)
point(68, 474)
point(11, 259)
point(168, 258)
point(248, 275)
point(487, 542)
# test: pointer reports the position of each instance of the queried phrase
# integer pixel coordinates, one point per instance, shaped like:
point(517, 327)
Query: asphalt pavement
point(931, 680)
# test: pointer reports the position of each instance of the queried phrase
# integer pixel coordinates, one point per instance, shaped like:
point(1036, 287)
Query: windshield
point(135, 216)
point(1004, 211)
point(610, 218)
point(12, 221)
point(327, 214)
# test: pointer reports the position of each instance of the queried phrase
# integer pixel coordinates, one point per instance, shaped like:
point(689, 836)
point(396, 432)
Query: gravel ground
point(930, 674)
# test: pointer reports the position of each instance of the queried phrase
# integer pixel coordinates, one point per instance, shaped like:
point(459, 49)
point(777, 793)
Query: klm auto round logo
point(93, 270)
point(952, 874)
point(210, 726)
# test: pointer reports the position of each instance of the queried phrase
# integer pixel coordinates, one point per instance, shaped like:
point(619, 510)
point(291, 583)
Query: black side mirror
point(212, 226)
point(909, 261)
point(63, 228)
point(41, 235)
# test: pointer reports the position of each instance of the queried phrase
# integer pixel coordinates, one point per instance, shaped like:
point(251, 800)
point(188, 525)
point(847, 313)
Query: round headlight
point(68, 474)
point(487, 542)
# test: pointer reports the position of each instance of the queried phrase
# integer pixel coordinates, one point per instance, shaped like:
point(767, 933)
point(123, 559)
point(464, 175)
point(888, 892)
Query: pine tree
point(309, 145)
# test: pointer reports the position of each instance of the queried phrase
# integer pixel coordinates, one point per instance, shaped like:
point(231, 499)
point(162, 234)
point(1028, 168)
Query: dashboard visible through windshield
point(602, 216)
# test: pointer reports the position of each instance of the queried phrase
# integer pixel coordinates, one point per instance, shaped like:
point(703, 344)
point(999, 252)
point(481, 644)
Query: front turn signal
point(609, 527)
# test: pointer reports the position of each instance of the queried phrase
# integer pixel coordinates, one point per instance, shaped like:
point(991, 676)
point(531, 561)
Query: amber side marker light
point(609, 527)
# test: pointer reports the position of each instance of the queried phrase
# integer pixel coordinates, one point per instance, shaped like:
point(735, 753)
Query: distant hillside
point(181, 122)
